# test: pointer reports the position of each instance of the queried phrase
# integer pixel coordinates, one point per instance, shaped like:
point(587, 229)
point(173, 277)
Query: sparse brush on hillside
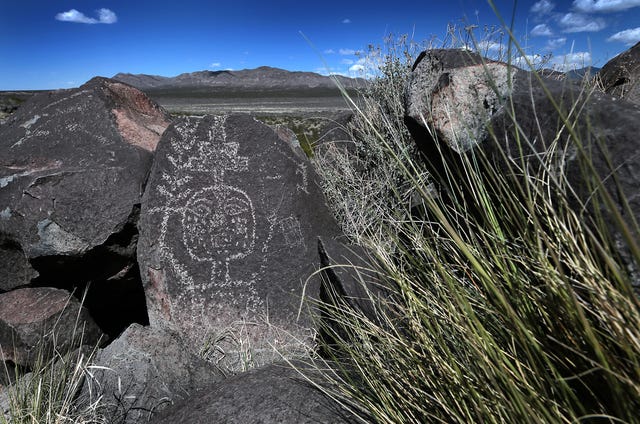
point(516, 311)
point(366, 166)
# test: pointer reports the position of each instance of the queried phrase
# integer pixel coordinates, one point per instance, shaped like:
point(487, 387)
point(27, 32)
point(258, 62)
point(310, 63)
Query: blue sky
point(48, 44)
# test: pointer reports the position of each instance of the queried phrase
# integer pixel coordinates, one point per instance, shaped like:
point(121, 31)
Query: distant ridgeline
point(262, 78)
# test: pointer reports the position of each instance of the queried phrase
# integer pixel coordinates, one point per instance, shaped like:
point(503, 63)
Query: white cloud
point(524, 61)
point(541, 30)
point(329, 51)
point(555, 43)
point(329, 71)
point(568, 62)
point(628, 36)
point(490, 46)
point(357, 70)
point(577, 22)
point(346, 62)
point(367, 66)
point(542, 7)
point(346, 21)
point(347, 52)
point(590, 6)
point(105, 16)
point(215, 65)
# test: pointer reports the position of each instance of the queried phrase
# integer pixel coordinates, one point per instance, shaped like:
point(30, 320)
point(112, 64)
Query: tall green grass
point(507, 304)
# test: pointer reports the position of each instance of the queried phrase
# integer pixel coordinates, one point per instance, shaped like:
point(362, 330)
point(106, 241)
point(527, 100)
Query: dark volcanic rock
point(15, 270)
point(451, 93)
point(348, 284)
point(620, 77)
point(336, 129)
point(73, 165)
point(228, 231)
point(274, 394)
point(32, 320)
point(145, 370)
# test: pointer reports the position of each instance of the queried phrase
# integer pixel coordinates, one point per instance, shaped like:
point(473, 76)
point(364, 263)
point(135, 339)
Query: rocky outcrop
point(460, 97)
point(620, 77)
point(73, 164)
point(142, 372)
point(456, 93)
point(228, 232)
point(229, 227)
point(34, 320)
point(280, 393)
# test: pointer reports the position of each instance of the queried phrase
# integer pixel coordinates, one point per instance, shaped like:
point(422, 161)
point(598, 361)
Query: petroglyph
point(66, 99)
point(290, 227)
point(228, 224)
point(217, 222)
point(31, 121)
point(32, 126)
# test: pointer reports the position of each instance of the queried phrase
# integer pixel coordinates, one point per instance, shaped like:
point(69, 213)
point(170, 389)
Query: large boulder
point(73, 165)
point(228, 234)
point(456, 103)
point(279, 393)
point(456, 93)
point(34, 321)
point(142, 372)
point(620, 76)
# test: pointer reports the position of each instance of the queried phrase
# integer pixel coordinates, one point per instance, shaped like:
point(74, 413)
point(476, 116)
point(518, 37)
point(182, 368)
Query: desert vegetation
point(507, 303)
point(49, 391)
point(501, 301)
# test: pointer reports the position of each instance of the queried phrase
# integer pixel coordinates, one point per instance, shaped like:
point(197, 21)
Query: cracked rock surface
point(73, 166)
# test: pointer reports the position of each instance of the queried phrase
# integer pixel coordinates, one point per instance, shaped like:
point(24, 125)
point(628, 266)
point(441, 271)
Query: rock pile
point(73, 165)
point(192, 244)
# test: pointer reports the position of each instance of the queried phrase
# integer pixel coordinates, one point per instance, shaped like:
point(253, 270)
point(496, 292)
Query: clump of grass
point(365, 166)
point(252, 343)
point(515, 309)
point(48, 391)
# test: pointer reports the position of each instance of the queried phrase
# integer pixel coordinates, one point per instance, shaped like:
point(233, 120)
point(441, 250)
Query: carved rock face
point(221, 223)
point(228, 230)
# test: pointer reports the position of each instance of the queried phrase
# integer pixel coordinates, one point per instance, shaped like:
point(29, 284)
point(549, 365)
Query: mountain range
point(262, 78)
